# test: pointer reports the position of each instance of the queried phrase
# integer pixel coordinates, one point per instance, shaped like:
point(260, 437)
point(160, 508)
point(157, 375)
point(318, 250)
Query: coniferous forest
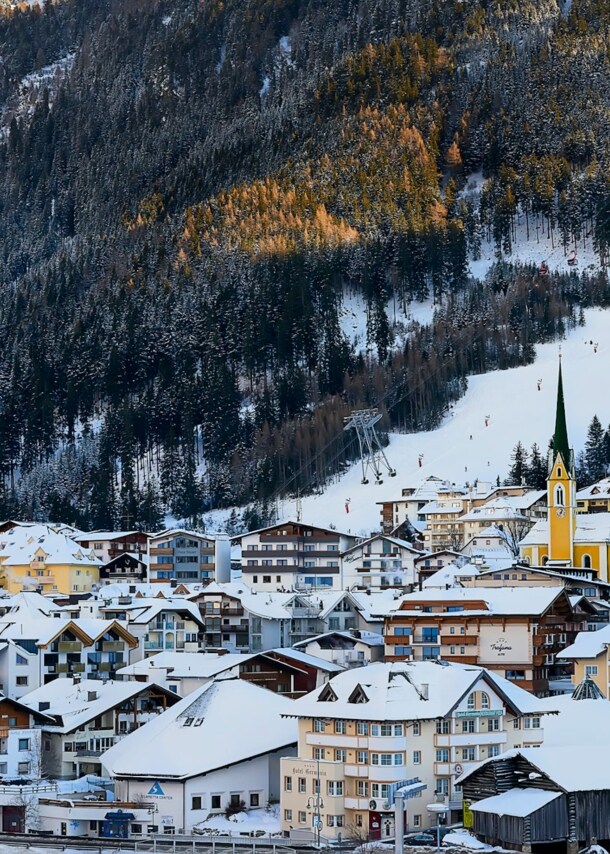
point(188, 188)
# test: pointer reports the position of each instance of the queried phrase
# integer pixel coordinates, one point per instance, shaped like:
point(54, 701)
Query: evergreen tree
point(595, 451)
point(537, 469)
point(518, 472)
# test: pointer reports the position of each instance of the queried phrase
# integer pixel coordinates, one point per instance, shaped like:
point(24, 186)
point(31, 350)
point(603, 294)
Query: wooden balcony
point(457, 640)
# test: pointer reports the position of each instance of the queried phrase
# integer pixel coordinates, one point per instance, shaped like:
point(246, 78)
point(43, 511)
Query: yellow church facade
point(567, 538)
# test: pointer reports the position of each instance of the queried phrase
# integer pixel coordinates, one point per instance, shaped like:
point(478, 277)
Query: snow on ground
point(251, 822)
point(353, 318)
point(464, 839)
point(517, 410)
point(531, 245)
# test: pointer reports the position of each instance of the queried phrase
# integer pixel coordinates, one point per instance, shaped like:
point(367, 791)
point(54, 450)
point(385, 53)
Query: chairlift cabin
point(543, 270)
point(572, 258)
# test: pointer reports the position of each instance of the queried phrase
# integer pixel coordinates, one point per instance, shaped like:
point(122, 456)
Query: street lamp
point(438, 810)
point(317, 805)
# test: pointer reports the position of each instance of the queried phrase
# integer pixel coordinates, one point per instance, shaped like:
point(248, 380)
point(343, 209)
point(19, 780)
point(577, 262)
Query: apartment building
point(226, 622)
point(387, 726)
point(88, 717)
point(594, 498)
point(408, 505)
point(35, 652)
point(188, 557)
point(293, 556)
point(108, 545)
point(515, 632)
point(379, 562)
point(20, 741)
point(165, 624)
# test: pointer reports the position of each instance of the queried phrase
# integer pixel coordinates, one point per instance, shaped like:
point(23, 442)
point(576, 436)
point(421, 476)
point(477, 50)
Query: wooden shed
point(529, 798)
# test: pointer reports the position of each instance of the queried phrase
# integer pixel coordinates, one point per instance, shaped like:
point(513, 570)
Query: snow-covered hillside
point(516, 410)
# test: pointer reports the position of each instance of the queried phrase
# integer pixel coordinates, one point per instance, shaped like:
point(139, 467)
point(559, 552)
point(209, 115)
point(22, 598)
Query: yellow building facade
point(567, 538)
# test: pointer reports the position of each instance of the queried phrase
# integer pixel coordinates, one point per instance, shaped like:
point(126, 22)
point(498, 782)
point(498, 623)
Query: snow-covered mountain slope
point(517, 410)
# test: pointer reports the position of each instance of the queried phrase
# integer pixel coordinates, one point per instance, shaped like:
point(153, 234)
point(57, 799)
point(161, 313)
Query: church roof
point(560, 436)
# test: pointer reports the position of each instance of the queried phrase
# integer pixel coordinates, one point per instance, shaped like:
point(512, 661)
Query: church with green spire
point(565, 538)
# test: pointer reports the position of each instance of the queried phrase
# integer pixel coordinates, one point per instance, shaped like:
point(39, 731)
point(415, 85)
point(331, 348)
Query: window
point(334, 787)
point(559, 496)
point(362, 788)
point(591, 670)
point(442, 786)
point(362, 757)
point(287, 815)
point(442, 755)
point(288, 784)
point(302, 785)
point(417, 757)
point(586, 561)
point(20, 659)
point(334, 820)
point(319, 725)
point(468, 753)
point(254, 799)
point(532, 723)
point(493, 725)
point(21, 680)
point(470, 703)
point(442, 727)
point(417, 821)
point(340, 727)
point(468, 726)
point(398, 729)
point(215, 802)
point(340, 755)
point(318, 753)
point(196, 802)
point(23, 768)
point(254, 577)
point(399, 759)
point(24, 744)
point(451, 650)
point(484, 700)
point(302, 817)
point(493, 750)
point(516, 723)
point(266, 579)
point(416, 729)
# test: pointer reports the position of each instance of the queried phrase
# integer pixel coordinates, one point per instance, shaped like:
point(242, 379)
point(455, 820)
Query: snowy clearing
point(517, 410)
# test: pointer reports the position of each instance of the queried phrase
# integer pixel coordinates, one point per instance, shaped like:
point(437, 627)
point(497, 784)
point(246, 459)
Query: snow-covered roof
point(514, 601)
point(590, 528)
point(574, 768)
point(409, 690)
point(29, 603)
point(516, 802)
point(185, 665)
point(599, 489)
point(307, 659)
point(103, 535)
point(442, 509)
point(20, 545)
point(220, 724)
point(297, 524)
point(77, 704)
point(587, 644)
point(448, 575)
point(395, 541)
point(170, 533)
point(143, 614)
point(498, 508)
point(45, 629)
point(366, 638)
point(576, 721)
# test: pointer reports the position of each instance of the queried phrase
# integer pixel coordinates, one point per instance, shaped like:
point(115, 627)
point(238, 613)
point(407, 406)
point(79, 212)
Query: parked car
point(420, 839)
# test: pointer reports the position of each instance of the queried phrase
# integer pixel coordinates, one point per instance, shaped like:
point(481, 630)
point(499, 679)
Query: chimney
point(76, 679)
point(425, 691)
point(91, 696)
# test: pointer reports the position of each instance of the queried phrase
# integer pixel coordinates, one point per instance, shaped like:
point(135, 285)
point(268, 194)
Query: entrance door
point(13, 819)
point(374, 825)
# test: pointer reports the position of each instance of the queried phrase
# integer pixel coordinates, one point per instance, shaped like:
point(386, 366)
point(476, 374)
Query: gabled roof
point(599, 489)
point(170, 533)
point(428, 555)
point(74, 705)
point(19, 546)
point(402, 691)
point(45, 630)
point(239, 537)
point(509, 601)
point(144, 613)
point(105, 535)
point(187, 665)
point(396, 541)
point(587, 645)
point(343, 640)
point(220, 724)
point(516, 802)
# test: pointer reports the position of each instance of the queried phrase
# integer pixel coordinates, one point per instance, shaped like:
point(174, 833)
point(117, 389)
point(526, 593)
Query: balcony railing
point(69, 646)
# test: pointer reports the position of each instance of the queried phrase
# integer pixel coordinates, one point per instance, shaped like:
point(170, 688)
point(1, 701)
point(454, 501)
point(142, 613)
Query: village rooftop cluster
point(307, 684)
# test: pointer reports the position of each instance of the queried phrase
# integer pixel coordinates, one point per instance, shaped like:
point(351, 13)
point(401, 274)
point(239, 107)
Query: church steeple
point(561, 488)
point(560, 437)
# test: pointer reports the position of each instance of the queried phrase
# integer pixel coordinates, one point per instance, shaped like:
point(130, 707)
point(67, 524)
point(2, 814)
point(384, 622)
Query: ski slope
point(516, 410)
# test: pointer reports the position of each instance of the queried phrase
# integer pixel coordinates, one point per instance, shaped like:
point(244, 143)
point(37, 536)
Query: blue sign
point(156, 789)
